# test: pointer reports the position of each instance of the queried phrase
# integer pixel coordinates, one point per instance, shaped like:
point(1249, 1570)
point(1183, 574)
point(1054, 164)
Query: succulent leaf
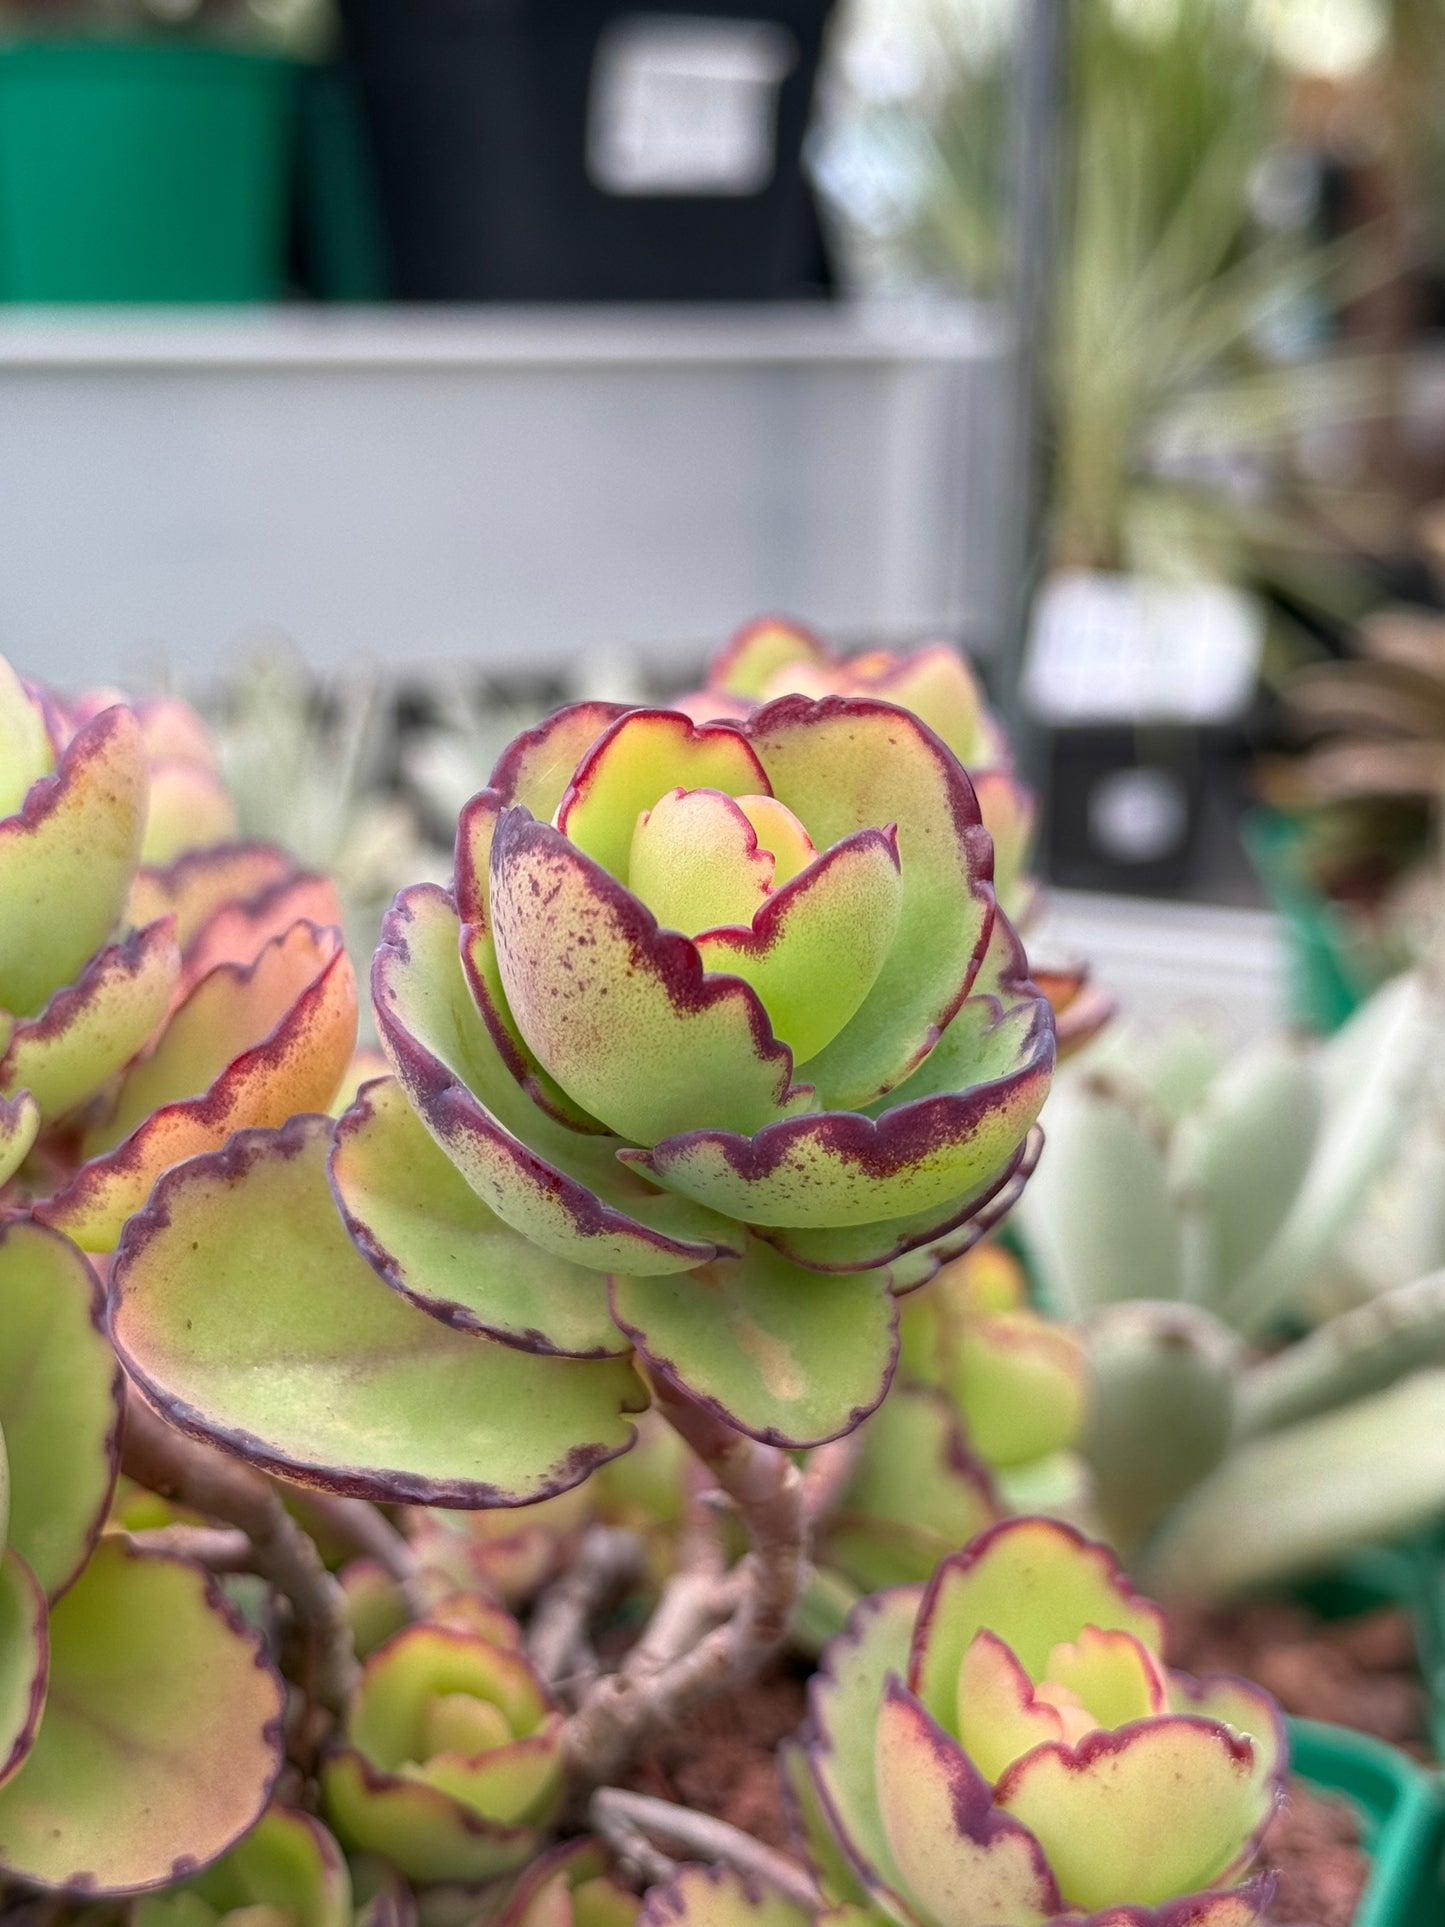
point(562, 1190)
point(239, 1304)
point(67, 859)
point(425, 1231)
point(790, 1356)
point(60, 1393)
point(24, 1661)
point(88, 1030)
point(19, 1128)
point(161, 1737)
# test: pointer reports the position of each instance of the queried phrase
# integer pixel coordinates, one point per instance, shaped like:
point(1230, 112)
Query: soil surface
point(1314, 1846)
point(724, 1759)
point(1358, 1672)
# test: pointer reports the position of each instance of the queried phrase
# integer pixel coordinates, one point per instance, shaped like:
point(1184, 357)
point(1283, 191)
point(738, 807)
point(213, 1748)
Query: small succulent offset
point(451, 1763)
point(1005, 1748)
point(1187, 1217)
point(717, 1023)
point(983, 1419)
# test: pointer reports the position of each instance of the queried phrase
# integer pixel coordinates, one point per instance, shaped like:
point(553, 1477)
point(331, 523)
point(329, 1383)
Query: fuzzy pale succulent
point(1005, 1747)
point(1192, 1217)
point(717, 1023)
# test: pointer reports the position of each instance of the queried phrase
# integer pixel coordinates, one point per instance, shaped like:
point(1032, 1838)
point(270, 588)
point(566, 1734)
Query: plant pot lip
point(70, 52)
point(1404, 1806)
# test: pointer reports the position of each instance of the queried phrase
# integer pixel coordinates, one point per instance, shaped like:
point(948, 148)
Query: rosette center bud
point(701, 860)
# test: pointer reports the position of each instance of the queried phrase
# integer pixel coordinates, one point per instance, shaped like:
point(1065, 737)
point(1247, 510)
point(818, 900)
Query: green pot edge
point(1404, 1809)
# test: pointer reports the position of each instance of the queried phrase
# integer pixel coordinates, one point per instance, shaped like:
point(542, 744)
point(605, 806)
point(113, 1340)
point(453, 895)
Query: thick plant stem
point(194, 1475)
point(686, 1656)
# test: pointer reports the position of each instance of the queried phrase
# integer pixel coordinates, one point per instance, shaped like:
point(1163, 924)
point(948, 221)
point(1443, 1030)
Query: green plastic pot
point(1401, 1809)
point(1409, 1573)
point(141, 172)
point(1326, 978)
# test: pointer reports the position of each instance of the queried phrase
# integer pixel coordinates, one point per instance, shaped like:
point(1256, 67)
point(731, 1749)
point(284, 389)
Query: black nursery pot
point(537, 150)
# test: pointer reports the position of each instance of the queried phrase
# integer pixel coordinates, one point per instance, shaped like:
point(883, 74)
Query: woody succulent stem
point(202, 1479)
point(713, 1628)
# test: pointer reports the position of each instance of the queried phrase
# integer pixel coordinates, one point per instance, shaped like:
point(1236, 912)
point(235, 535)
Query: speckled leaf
point(962, 1863)
point(24, 1658)
point(202, 882)
point(243, 1309)
point(60, 1395)
point(427, 1233)
point(619, 1010)
point(251, 1046)
point(814, 950)
point(564, 1191)
point(791, 1357)
point(1033, 1582)
point(88, 1030)
point(843, 1169)
point(645, 753)
point(1140, 1814)
point(843, 765)
point(536, 767)
point(161, 1737)
point(845, 1698)
point(863, 1247)
point(67, 859)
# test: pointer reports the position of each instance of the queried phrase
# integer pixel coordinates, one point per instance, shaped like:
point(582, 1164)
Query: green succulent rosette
point(1005, 1748)
point(452, 1761)
point(725, 1015)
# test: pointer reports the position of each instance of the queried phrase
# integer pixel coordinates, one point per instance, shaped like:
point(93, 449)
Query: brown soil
point(723, 1760)
point(1314, 1846)
point(1359, 1672)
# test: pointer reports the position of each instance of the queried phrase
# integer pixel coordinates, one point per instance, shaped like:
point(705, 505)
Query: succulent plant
point(583, 1091)
point(574, 1885)
point(451, 1761)
point(1005, 1747)
point(1187, 1230)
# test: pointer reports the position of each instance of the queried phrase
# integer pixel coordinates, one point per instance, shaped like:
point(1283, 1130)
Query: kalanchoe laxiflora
point(1005, 1748)
point(114, 1770)
point(726, 1013)
point(451, 1763)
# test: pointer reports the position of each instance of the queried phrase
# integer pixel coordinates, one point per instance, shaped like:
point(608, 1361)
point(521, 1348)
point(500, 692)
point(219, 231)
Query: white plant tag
point(686, 106)
point(1125, 649)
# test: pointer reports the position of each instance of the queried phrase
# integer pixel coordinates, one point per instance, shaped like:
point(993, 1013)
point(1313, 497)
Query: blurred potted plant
point(146, 147)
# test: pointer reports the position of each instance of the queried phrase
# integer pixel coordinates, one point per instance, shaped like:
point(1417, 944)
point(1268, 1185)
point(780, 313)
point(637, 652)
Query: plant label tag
point(1128, 649)
point(686, 106)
